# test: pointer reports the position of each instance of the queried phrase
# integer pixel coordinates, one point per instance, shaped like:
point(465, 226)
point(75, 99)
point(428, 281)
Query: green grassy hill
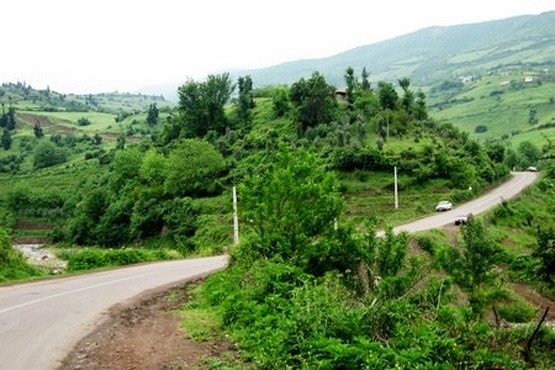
point(434, 53)
point(27, 98)
point(516, 105)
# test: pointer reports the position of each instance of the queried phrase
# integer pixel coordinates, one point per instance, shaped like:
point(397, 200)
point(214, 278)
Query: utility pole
point(395, 180)
point(235, 218)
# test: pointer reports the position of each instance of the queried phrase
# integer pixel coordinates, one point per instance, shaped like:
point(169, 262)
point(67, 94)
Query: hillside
point(514, 106)
point(28, 98)
point(434, 53)
point(485, 54)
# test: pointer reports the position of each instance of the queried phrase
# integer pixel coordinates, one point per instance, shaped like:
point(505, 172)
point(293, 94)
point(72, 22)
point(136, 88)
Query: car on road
point(532, 169)
point(461, 219)
point(444, 205)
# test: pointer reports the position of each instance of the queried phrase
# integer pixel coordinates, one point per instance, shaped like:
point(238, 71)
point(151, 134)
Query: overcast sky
point(107, 45)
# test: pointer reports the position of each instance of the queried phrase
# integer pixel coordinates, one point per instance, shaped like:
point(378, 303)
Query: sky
point(92, 46)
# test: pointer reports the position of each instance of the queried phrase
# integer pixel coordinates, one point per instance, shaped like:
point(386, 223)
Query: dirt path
point(146, 335)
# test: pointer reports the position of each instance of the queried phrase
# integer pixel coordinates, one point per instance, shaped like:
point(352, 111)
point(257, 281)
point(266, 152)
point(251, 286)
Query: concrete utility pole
point(235, 218)
point(395, 180)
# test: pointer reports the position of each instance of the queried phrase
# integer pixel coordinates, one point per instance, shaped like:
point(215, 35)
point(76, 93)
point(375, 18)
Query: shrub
point(89, 259)
point(86, 260)
point(13, 265)
point(83, 121)
point(480, 129)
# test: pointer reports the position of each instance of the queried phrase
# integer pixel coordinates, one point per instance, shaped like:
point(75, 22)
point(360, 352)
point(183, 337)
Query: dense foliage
point(334, 297)
point(13, 265)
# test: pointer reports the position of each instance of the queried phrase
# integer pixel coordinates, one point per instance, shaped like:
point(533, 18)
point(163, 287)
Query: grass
point(199, 324)
point(372, 195)
point(99, 121)
point(486, 102)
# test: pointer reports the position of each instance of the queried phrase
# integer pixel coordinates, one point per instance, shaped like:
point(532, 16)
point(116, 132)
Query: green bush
point(13, 265)
point(89, 259)
point(86, 260)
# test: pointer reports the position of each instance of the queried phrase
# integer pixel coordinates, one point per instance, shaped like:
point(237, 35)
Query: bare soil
point(145, 334)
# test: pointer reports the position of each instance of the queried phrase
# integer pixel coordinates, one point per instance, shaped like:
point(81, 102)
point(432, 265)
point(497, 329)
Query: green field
point(501, 103)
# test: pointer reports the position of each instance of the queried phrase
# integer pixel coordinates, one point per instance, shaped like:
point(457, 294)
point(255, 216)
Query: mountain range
point(425, 56)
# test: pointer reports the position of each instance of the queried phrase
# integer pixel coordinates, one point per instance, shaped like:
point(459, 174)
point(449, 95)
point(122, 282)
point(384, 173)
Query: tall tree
point(245, 101)
point(6, 139)
point(201, 106)
point(351, 82)
point(407, 101)
point(38, 131)
point(387, 95)
point(420, 109)
point(365, 83)
point(152, 114)
point(290, 203)
point(314, 101)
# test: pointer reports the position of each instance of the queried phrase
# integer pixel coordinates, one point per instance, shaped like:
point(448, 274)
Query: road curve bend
point(509, 189)
point(41, 322)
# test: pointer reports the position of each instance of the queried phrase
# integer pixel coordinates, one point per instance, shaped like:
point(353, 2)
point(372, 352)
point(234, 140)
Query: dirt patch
point(146, 334)
point(536, 299)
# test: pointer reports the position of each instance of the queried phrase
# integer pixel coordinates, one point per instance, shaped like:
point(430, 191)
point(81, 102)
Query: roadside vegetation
point(310, 285)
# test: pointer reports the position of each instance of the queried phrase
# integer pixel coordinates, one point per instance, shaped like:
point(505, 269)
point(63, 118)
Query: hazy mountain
point(427, 55)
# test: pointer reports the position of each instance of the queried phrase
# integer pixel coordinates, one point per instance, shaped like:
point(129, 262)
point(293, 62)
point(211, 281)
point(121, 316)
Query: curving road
point(40, 322)
point(509, 189)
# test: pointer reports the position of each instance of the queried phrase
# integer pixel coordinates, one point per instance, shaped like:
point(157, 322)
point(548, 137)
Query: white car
point(444, 205)
point(461, 219)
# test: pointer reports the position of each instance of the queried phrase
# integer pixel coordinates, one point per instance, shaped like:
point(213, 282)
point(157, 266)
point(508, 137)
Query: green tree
point(245, 101)
point(124, 171)
point(83, 121)
point(480, 254)
point(153, 168)
point(201, 106)
point(314, 101)
point(6, 139)
point(47, 154)
point(152, 114)
point(351, 82)
point(120, 142)
point(289, 203)
point(88, 213)
point(10, 119)
point(97, 139)
point(193, 168)
point(545, 251)
point(532, 115)
point(387, 96)
point(407, 101)
point(280, 102)
point(529, 154)
point(365, 83)
point(38, 131)
point(420, 108)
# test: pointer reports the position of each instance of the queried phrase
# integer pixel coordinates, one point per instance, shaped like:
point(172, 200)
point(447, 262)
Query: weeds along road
point(40, 322)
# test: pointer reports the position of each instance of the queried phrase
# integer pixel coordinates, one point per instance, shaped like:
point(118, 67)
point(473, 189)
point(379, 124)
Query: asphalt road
point(40, 322)
point(509, 189)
